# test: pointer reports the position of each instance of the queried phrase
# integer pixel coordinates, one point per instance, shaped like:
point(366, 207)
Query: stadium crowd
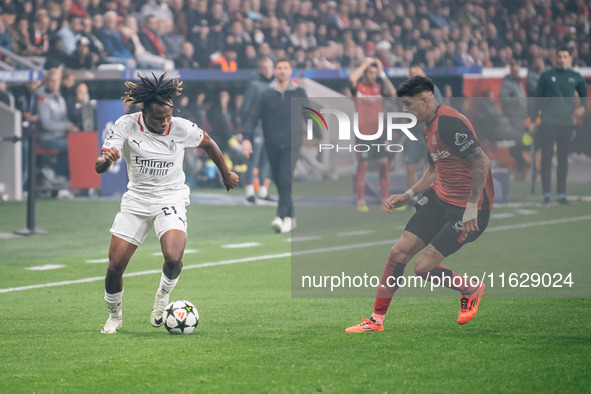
point(232, 34)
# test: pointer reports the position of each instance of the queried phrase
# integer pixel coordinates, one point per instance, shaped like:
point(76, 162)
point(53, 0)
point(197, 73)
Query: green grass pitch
point(254, 337)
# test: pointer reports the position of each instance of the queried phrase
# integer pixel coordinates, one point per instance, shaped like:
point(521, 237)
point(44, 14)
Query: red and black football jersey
point(450, 139)
point(368, 103)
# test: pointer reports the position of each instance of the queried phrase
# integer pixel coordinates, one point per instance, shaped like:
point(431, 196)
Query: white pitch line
point(282, 255)
point(503, 215)
point(526, 211)
point(536, 224)
point(96, 261)
point(354, 233)
point(303, 239)
point(45, 267)
point(187, 251)
point(242, 245)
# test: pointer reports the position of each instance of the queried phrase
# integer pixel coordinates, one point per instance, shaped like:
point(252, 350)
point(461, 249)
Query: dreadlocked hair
point(150, 91)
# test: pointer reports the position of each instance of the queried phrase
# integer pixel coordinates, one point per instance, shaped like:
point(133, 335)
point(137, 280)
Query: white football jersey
point(154, 161)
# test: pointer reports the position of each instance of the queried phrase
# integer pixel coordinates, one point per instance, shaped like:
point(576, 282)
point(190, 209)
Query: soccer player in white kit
point(153, 144)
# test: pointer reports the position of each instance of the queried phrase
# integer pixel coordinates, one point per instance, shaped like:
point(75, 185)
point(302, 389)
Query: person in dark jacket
point(556, 106)
point(81, 58)
point(514, 104)
point(258, 160)
point(273, 108)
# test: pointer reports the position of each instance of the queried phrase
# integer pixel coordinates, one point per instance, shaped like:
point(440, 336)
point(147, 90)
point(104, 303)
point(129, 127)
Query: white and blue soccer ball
point(181, 317)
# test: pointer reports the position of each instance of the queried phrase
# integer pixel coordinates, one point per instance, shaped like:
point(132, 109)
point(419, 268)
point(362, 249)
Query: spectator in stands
point(197, 16)
point(150, 38)
point(54, 123)
point(203, 47)
point(5, 40)
point(96, 46)
point(179, 17)
point(115, 48)
point(145, 59)
point(249, 58)
point(68, 86)
point(96, 7)
point(70, 33)
point(185, 60)
point(158, 9)
point(81, 58)
point(19, 35)
point(56, 55)
point(25, 100)
point(384, 54)
point(514, 104)
point(39, 32)
point(225, 61)
point(75, 107)
point(172, 41)
point(533, 75)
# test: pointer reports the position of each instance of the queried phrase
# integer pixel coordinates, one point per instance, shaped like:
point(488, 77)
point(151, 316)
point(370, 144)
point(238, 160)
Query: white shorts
point(135, 220)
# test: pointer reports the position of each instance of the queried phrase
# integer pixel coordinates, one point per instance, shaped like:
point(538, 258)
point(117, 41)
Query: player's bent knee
point(115, 271)
point(400, 254)
point(173, 263)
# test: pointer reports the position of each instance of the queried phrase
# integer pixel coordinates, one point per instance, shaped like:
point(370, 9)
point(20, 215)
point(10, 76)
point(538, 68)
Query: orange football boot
point(469, 304)
point(365, 326)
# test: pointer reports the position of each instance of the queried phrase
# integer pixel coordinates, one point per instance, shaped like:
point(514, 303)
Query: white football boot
point(160, 302)
point(277, 224)
point(288, 225)
point(112, 325)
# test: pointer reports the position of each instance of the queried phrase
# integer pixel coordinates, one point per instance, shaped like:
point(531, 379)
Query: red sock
point(387, 286)
point(384, 180)
point(448, 278)
point(360, 179)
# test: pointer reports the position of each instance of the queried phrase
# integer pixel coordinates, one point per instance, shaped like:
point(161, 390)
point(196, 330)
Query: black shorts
point(440, 224)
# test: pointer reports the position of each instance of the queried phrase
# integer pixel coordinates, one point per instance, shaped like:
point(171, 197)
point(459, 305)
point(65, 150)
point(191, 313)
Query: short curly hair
point(415, 85)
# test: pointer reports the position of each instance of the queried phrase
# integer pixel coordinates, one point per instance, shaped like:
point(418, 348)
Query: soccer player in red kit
point(368, 83)
point(455, 208)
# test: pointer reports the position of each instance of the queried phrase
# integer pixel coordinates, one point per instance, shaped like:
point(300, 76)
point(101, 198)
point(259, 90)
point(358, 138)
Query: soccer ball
point(181, 317)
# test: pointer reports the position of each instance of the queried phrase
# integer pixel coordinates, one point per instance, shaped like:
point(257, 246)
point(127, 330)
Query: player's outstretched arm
point(355, 75)
point(229, 178)
point(107, 157)
point(398, 200)
point(389, 89)
point(480, 166)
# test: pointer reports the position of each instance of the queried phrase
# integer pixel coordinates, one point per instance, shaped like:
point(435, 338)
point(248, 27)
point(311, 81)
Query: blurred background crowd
point(64, 36)
point(232, 34)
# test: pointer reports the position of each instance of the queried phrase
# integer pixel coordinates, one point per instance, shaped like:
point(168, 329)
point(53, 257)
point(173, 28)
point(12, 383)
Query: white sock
point(166, 284)
point(249, 189)
point(114, 302)
point(263, 191)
